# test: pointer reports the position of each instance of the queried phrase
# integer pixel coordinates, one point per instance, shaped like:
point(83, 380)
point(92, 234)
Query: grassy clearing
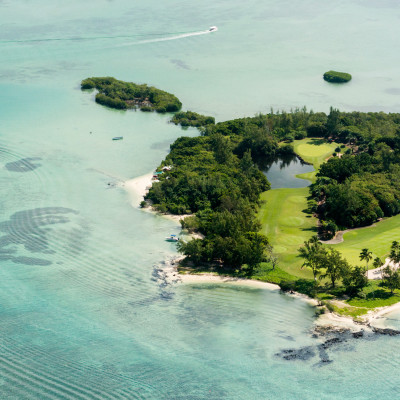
point(287, 226)
point(375, 296)
point(265, 273)
point(349, 311)
point(314, 151)
point(282, 214)
point(376, 238)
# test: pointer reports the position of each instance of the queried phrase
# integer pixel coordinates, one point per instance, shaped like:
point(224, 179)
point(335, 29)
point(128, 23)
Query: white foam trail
point(176, 37)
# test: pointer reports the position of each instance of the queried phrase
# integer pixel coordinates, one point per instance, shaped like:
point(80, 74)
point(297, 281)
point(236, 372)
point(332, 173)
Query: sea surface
point(84, 310)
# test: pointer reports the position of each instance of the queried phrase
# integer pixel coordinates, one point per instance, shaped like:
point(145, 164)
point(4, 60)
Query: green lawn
point(376, 238)
point(282, 213)
point(287, 226)
point(314, 151)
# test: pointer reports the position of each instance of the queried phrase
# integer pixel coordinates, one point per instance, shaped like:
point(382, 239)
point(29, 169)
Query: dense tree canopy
point(213, 171)
point(190, 118)
point(122, 95)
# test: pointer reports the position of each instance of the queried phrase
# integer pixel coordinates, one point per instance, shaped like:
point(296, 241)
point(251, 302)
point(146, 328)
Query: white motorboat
point(213, 29)
point(172, 238)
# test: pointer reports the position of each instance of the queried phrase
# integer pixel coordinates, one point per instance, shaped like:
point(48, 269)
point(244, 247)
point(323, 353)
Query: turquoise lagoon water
point(84, 310)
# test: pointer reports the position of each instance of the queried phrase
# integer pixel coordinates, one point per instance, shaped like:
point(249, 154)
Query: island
point(122, 95)
point(337, 77)
point(334, 241)
point(190, 118)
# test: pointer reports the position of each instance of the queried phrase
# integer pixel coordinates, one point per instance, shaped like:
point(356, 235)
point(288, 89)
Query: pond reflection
point(281, 172)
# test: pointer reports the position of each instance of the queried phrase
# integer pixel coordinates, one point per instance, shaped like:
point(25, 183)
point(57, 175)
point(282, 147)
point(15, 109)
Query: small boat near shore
point(172, 238)
point(117, 138)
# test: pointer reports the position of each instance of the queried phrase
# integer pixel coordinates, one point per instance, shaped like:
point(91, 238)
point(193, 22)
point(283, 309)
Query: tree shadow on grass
point(316, 141)
point(380, 294)
point(311, 229)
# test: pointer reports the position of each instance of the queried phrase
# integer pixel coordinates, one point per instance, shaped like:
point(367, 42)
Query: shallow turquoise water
point(83, 314)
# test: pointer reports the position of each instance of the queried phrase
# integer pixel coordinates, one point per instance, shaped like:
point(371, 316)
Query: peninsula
point(250, 231)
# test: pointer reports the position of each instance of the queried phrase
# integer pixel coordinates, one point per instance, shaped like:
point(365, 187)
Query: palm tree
point(395, 252)
point(377, 263)
point(366, 255)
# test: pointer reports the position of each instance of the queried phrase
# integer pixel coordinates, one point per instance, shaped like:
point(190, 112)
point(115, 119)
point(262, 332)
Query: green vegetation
point(376, 238)
point(314, 151)
point(190, 118)
point(122, 95)
point(337, 77)
point(362, 186)
point(286, 214)
point(215, 176)
point(270, 235)
point(287, 226)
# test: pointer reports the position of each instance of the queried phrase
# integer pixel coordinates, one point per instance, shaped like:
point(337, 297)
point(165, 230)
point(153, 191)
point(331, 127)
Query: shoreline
point(137, 189)
point(375, 318)
point(210, 278)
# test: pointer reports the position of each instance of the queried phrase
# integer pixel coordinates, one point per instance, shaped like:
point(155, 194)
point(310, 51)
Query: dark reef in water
point(333, 339)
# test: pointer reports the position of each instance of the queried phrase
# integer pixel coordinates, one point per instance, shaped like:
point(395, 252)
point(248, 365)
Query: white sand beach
point(138, 187)
point(210, 278)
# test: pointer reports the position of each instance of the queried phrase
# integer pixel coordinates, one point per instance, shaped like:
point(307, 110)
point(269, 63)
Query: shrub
point(298, 135)
point(110, 102)
point(286, 149)
point(190, 118)
point(337, 77)
point(87, 84)
point(287, 286)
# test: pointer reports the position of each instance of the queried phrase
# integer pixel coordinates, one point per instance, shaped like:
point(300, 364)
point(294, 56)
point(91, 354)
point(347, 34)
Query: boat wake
point(175, 37)
point(90, 38)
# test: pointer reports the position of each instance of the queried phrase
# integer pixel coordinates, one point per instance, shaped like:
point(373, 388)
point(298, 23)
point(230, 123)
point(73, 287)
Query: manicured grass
point(287, 226)
point(282, 214)
point(377, 239)
point(314, 151)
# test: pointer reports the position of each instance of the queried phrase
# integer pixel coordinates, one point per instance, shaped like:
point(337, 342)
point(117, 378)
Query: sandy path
point(338, 238)
point(377, 272)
